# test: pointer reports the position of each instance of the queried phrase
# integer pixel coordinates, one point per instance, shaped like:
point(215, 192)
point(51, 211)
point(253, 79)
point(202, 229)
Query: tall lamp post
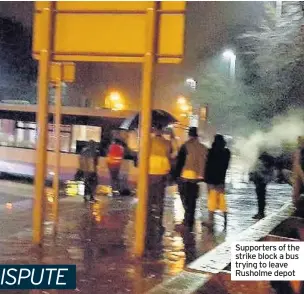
point(230, 56)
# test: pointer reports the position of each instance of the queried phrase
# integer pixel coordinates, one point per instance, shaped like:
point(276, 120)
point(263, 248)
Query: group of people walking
point(193, 163)
point(186, 166)
point(88, 164)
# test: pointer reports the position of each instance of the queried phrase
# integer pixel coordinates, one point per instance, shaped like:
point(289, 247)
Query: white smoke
point(285, 129)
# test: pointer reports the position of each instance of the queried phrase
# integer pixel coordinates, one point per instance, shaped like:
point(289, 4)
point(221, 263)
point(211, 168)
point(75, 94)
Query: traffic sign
point(64, 71)
point(110, 31)
point(138, 32)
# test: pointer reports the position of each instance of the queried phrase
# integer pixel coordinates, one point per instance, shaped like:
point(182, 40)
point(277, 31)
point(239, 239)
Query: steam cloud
point(285, 129)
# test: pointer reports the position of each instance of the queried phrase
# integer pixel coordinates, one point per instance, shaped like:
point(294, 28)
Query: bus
point(18, 133)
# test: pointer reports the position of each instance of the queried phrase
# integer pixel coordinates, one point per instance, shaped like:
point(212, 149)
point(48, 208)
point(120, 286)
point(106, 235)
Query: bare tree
point(276, 67)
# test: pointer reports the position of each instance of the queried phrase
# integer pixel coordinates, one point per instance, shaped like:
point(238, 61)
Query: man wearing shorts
point(215, 173)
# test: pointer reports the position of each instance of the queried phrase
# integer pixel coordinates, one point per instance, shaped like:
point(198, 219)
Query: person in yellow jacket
point(159, 168)
point(189, 171)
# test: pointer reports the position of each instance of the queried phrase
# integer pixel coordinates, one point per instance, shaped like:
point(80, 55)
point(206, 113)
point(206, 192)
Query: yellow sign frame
point(121, 33)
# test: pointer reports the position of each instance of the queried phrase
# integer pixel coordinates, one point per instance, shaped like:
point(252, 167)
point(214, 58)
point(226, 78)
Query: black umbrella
point(160, 117)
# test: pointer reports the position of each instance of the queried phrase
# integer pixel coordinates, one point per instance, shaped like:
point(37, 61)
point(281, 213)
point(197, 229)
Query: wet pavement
point(98, 238)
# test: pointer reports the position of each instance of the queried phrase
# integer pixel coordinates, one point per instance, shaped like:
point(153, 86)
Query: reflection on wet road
point(98, 239)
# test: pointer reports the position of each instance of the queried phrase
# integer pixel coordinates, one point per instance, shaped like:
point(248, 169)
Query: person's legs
point(212, 205)
point(192, 195)
point(114, 174)
point(87, 187)
point(161, 199)
point(155, 210)
point(183, 192)
point(150, 234)
point(260, 189)
point(223, 205)
point(186, 202)
point(262, 200)
point(92, 184)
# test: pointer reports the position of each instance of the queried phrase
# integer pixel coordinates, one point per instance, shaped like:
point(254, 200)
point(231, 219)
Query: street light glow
point(118, 106)
point(191, 83)
point(185, 107)
point(231, 57)
point(228, 54)
point(181, 100)
point(115, 96)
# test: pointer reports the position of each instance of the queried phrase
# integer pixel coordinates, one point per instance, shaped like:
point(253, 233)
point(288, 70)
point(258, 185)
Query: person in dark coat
point(215, 174)
point(261, 176)
point(88, 162)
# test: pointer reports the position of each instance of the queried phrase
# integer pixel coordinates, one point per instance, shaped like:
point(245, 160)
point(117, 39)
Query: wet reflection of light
point(178, 210)
point(96, 212)
point(177, 243)
point(103, 189)
point(174, 255)
point(176, 266)
point(9, 205)
point(175, 262)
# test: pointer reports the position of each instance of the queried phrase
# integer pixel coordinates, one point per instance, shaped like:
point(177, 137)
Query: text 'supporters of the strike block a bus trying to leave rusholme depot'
point(267, 261)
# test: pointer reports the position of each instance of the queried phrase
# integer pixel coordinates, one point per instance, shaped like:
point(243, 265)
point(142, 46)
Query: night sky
point(210, 27)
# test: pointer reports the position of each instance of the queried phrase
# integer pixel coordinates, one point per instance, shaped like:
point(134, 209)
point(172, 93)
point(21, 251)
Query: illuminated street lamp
point(191, 83)
point(115, 96)
point(114, 101)
point(230, 56)
point(185, 107)
point(181, 100)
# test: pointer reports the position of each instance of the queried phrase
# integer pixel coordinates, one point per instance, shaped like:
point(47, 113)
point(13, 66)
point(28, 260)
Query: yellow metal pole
point(56, 179)
point(145, 129)
point(42, 127)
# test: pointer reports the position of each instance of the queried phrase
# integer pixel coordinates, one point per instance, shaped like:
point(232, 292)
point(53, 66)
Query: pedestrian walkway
point(98, 238)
